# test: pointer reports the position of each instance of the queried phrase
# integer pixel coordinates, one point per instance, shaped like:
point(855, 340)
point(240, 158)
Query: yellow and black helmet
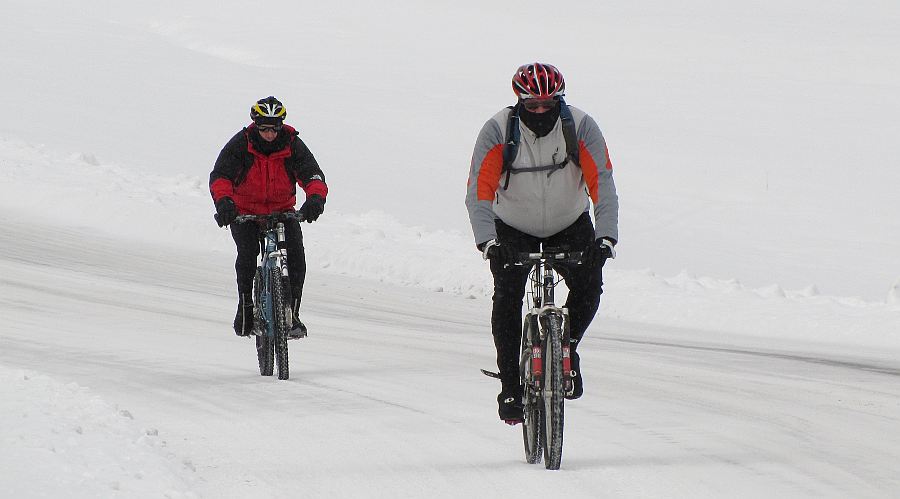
point(268, 111)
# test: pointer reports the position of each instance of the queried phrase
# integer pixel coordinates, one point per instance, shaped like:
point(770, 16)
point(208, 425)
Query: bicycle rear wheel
point(265, 349)
point(553, 392)
point(265, 353)
point(532, 425)
point(281, 303)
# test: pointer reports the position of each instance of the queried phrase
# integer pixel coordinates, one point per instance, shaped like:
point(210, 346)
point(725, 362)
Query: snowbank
point(59, 440)
point(82, 192)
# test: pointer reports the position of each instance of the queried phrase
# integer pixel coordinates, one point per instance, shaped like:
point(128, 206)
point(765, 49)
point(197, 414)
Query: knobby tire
point(554, 391)
point(265, 349)
point(532, 425)
point(281, 304)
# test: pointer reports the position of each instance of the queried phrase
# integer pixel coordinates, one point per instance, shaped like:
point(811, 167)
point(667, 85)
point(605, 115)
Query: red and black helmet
point(538, 81)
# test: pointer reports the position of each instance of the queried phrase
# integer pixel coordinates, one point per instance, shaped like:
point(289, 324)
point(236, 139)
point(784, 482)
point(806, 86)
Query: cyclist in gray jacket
point(537, 169)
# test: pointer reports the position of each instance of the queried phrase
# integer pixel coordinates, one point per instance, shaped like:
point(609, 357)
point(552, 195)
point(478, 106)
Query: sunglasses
point(268, 128)
point(536, 104)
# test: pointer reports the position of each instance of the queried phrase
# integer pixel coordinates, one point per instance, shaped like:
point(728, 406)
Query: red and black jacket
point(260, 183)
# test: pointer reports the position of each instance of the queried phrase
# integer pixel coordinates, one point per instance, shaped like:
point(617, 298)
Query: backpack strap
point(511, 148)
point(568, 130)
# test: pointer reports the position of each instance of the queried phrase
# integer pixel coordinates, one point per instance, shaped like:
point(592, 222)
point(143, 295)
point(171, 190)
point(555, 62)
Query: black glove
point(225, 211)
point(312, 208)
point(504, 254)
point(599, 251)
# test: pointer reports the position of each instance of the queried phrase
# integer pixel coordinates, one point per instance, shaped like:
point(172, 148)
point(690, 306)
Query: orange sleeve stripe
point(589, 171)
point(489, 174)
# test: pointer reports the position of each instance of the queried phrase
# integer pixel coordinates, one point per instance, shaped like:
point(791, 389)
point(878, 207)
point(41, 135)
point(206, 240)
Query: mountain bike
point(272, 317)
point(545, 367)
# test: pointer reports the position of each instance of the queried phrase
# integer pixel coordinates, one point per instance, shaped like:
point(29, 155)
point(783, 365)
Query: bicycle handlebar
point(296, 215)
point(272, 217)
point(551, 255)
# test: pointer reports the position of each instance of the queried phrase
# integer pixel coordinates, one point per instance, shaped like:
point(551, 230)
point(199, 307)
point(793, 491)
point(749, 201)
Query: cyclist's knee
point(507, 302)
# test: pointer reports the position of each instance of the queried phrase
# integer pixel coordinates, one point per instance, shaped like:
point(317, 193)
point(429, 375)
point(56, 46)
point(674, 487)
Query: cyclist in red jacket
point(257, 173)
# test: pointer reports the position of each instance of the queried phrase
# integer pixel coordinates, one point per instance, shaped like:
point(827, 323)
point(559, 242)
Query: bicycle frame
point(543, 280)
point(271, 298)
point(273, 255)
point(546, 380)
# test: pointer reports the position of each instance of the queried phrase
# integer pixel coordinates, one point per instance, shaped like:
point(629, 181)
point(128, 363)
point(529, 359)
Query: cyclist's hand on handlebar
point(226, 211)
point(312, 208)
point(599, 251)
point(502, 253)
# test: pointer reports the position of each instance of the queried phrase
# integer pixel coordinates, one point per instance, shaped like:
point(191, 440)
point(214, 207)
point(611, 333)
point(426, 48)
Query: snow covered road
point(385, 398)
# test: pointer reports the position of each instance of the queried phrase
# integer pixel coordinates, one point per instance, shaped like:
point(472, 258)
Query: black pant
point(246, 237)
point(585, 283)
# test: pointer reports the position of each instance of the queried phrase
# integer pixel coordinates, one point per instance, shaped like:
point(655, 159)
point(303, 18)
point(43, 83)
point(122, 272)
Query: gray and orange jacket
point(541, 203)
point(260, 184)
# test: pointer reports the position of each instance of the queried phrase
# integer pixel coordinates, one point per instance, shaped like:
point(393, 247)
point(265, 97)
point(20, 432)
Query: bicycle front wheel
point(281, 305)
point(532, 425)
point(265, 348)
point(553, 391)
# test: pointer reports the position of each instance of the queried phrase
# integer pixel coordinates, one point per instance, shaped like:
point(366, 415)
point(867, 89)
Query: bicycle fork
point(537, 361)
point(273, 251)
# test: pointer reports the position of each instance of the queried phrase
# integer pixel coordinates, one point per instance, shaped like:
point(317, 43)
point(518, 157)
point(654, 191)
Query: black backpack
point(511, 148)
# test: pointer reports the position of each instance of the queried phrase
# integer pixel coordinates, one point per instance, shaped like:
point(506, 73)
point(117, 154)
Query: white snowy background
point(748, 342)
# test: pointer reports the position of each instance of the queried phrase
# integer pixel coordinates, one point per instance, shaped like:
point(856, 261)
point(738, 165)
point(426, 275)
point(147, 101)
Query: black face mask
point(539, 123)
point(267, 148)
